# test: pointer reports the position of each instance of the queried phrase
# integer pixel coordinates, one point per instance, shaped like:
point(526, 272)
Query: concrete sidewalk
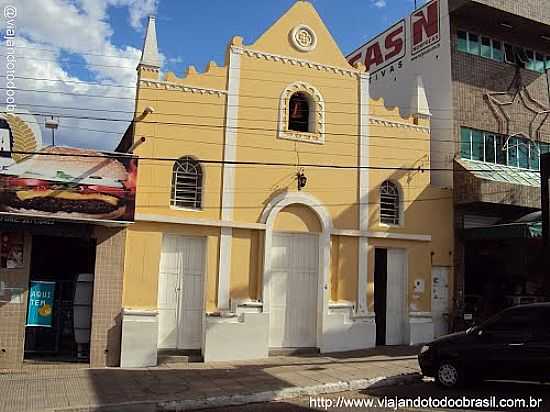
point(195, 385)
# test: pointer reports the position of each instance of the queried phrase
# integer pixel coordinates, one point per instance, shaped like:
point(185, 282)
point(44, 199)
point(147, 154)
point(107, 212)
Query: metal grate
point(389, 203)
point(187, 184)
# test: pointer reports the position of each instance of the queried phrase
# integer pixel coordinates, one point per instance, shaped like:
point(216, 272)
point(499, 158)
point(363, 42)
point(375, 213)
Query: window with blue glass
point(489, 147)
point(490, 48)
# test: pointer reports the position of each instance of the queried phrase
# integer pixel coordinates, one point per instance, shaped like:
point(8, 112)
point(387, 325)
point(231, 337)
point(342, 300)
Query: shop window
point(498, 54)
point(539, 63)
point(480, 46)
point(465, 143)
point(473, 43)
point(534, 156)
point(500, 151)
point(530, 64)
point(478, 150)
point(187, 184)
point(523, 154)
point(513, 151)
point(547, 63)
point(490, 154)
point(389, 203)
point(299, 112)
point(462, 41)
point(11, 250)
point(509, 54)
point(486, 50)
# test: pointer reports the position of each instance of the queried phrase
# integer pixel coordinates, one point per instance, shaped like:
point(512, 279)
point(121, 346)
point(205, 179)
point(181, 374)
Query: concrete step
point(178, 356)
point(293, 351)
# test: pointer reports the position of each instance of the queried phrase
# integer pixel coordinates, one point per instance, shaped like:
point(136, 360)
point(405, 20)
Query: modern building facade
point(484, 66)
point(279, 205)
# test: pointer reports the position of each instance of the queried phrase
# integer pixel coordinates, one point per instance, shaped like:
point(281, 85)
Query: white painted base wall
point(139, 339)
point(421, 328)
point(241, 338)
point(343, 332)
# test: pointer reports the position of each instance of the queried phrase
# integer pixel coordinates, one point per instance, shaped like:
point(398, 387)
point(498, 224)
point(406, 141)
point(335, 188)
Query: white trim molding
point(316, 114)
point(400, 236)
point(181, 220)
point(269, 215)
point(228, 189)
point(379, 121)
point(161, 84)
point(363, 255)
point(294, 61)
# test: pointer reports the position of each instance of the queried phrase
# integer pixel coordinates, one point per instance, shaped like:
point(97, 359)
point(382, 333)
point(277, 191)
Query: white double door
point(293, 290)
point(180, 294)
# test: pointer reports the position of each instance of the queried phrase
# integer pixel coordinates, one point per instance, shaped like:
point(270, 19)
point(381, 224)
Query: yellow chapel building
point(279, 206)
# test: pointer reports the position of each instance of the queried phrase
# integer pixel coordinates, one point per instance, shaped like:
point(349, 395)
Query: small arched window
point(389, 203)
point(187, 183)
point(299, 111)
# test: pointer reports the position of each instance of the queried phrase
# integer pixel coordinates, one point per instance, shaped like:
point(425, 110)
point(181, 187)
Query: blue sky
point(78, 48)
point(193, 33)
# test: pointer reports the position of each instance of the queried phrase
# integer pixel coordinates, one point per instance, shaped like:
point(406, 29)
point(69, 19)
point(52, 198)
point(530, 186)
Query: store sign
point(41, 299)
point(382, 51)
point(425, 27)
point(65, 182)
point(387, 52)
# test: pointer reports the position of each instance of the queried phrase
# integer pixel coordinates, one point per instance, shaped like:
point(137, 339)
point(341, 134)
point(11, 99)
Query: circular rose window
point(303, 38)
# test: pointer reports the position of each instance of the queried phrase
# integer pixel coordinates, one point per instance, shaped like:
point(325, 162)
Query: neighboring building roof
point(501, 173)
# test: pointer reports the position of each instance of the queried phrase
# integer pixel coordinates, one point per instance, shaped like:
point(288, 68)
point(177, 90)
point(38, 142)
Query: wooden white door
point(191, 292)
point(396, 295)
point(180, 295)
point(440, 300)
point(294, 290)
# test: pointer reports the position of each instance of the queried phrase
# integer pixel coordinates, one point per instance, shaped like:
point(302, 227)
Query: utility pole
point(52, 124)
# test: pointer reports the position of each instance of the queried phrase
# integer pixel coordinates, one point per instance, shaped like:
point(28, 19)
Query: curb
point(266, 396)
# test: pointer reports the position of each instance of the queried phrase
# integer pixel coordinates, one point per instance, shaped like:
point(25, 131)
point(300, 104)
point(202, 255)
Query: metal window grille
point(187, 184)
point(389, 203)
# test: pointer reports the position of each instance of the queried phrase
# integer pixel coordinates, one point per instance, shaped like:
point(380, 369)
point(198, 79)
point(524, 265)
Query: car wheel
point(448, 375)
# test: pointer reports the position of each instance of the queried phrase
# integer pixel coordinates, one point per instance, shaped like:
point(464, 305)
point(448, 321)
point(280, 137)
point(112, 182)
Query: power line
point(259, 163)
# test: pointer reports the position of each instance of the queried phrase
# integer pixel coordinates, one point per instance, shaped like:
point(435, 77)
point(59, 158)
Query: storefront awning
point(531, 230)
point(500, 173)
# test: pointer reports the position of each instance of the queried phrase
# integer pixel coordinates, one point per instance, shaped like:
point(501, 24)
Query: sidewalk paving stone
point(184, 386)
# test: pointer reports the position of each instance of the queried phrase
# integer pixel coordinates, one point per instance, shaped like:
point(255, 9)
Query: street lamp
point(52, 124)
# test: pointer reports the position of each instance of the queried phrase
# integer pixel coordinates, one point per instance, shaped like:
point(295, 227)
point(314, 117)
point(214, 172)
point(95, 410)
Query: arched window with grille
point(187, 184)
point(299, 113)
point(389, 203)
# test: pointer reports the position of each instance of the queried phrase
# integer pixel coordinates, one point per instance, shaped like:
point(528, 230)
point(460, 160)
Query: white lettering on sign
point(425, 28)
point(382, 51)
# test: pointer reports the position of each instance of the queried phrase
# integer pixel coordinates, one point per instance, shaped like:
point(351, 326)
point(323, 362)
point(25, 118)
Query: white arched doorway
point(295, 276)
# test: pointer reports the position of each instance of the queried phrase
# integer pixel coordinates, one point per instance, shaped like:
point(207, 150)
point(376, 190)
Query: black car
point(513, 345)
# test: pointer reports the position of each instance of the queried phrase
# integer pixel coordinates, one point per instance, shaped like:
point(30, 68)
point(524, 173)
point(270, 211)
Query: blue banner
point(41, 298)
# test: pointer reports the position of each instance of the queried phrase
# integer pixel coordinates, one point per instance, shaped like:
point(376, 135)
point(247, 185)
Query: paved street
point(500, 390)
point(174, 386)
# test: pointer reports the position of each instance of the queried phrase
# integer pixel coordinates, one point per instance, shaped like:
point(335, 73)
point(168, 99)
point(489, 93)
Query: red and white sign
point(383, 50)
point(425, 27)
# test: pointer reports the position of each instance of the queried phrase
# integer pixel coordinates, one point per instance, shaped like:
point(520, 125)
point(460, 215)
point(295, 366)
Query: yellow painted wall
point(142, 259)
point(297, 218)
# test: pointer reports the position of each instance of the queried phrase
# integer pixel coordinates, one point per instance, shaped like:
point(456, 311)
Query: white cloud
point(80, 28)
point(379, 3)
